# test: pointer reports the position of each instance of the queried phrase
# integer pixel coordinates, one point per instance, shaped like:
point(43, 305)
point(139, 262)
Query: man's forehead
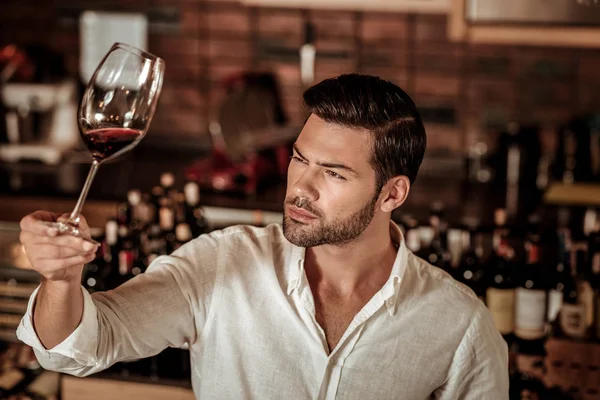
point(331, 142)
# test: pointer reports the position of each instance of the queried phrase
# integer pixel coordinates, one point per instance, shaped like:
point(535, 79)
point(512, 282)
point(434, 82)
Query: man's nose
point(305, 186)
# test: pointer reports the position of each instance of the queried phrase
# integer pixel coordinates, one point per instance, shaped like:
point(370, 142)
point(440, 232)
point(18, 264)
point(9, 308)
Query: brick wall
point(480, 86)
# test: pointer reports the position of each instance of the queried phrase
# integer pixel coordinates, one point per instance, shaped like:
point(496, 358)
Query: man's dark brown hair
point(382, 108)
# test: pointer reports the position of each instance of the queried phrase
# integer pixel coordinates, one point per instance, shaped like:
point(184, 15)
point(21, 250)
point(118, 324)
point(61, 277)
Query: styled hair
point(380, 107)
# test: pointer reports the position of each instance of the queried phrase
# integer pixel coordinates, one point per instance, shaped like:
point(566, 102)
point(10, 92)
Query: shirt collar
point(296, 272)
point(390, 290)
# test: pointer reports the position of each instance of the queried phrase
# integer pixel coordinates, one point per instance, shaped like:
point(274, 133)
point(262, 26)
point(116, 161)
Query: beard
point(337, 232)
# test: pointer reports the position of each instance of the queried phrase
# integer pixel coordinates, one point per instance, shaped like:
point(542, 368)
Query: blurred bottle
point(530, 300)
point(527, 381)
point(572, 315)
point(183, 234)
point(157, 244)
point(560, 280)
point(576, 155)
point(595, 146)
point(437, 252)
point(471, 270)
point(194, 215)
point(594, 260)
point(501, 232)
point(167, 222)
point(517, 168)
point(157, 193)
point(167, 182)
point(127, 254)
point(500, 293)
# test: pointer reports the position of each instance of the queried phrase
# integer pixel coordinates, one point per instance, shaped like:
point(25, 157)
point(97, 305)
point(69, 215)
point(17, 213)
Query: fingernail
point(87, 246)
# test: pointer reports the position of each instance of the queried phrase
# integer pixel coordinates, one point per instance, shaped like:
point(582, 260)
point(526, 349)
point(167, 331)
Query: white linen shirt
point(241, 300)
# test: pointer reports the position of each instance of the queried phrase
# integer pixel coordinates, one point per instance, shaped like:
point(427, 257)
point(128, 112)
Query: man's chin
point(293, 232)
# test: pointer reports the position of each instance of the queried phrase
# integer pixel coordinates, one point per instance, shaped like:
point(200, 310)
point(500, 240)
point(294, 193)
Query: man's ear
point(394, 193)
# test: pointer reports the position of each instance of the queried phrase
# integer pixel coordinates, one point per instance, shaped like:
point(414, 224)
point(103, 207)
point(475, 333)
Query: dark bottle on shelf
point(527, 381)
point(585, 293)
point(594, 268)
point(501, 231)
point(110, 246)
point(167, 222)
point(500, 292)
point(456, 249)
point(413, 240)
point(194, 215)
point(134, 199)
point(531, 295)
point(471, 270)
point(437, 252)
point(183, 234)
point(127, 255)
point(595, 147)
point(560, 280)
point(167, 182)
point(157, 193)
point(157, 244)
point(572, 315)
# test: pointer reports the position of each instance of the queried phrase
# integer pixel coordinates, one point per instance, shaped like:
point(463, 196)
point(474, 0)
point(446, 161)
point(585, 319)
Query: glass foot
point(68, 229)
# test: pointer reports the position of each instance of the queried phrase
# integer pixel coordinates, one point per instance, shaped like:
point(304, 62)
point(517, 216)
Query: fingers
point(70, 241)
point(51, 252)
point(34, 222)
point(49, 266)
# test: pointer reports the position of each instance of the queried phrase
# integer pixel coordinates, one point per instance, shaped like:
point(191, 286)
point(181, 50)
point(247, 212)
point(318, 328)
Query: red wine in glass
point(115, 112)
point(106, 143)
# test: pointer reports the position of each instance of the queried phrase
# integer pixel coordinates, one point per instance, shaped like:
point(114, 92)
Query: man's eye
point(335, 175)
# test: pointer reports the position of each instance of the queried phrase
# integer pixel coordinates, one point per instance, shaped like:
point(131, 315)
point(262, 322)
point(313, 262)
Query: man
point(330, 305)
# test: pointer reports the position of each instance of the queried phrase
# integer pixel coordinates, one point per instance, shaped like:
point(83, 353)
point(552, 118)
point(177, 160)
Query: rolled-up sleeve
point(163, 307)
point(479, 370)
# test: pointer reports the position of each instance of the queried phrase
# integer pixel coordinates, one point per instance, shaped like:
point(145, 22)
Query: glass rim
point(136, 51)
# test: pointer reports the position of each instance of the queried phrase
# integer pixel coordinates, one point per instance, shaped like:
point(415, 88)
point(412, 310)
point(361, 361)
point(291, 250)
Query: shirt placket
point(335, 361)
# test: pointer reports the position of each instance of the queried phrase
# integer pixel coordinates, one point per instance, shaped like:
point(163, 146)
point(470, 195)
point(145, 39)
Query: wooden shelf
point(414, 6)
point(460, 30)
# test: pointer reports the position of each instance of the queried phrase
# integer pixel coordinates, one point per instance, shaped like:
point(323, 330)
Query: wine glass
point(115, 112)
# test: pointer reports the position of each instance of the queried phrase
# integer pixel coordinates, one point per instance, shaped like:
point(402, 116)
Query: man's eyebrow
point(328, 165)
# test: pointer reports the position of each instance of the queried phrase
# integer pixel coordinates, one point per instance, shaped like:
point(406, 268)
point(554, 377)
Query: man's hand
point(56, 257)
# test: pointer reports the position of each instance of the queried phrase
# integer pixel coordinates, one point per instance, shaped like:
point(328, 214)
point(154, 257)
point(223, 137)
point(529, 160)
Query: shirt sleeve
point(164, 307)
point(479, 370)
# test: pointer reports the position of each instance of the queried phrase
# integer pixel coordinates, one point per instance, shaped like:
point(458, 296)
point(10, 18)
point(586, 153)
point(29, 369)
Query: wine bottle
point(594, 267)
point(500, 232)
point(572, 313)
point(437, 252)
point(413, 240)
point(157, 245)
point(126, 254)
point(471, 269)
point(585, 293)
point(157, 193)
point(167, 182)
point(194, 215)
point(134, 199)
point(183, 234)
point(456, 248)
point(111, 240)
point(500, 293)
point(530, 300)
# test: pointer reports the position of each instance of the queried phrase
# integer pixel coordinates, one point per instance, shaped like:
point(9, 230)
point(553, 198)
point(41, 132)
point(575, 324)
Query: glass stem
point(76, 214)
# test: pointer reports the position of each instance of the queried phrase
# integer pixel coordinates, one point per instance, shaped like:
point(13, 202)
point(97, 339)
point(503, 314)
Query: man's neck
point(364, 264)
